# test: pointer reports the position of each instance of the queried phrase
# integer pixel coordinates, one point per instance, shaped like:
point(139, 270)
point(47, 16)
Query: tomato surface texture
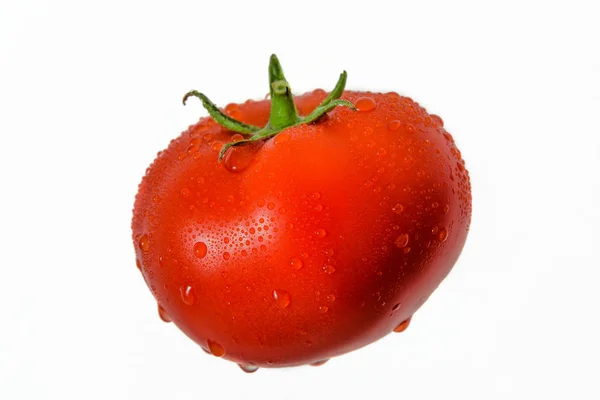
point(309, 244)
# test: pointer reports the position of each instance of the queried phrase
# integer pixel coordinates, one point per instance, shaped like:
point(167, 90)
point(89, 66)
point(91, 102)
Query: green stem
point(283, 110)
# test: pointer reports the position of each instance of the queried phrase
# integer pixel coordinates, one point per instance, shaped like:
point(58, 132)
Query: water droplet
point(328, 269)
point(365, 104)
point(443, 235)
point(238, 158)
point(406, 250)
point(448, 137)
point(216, 146)
point(200, 249)
point(138, 264)
point(187, 295)
point(248, 368)
point(163, 314)
point(403, 325)
point(296, 263)
point(236, 137)
point(281, 138)
point(318, 207)
point(434, 230)
point(331, 298)
point(394, 125)
point(398, 208)
point(437, 120)
point(271, 206)
point(185, 192)
point(402, 240)
point(316, 196)
point(215, 348)
point(144, 243)
point(226, 256)
point(323, 309)
point(319, 363)
point(282, 298)
point(320, 233)
point(410, 128)
point(446, 209)
point(396, 306)
point(329, 252)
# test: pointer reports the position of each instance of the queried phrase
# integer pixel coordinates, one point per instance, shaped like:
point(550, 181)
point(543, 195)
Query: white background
point(90, 91)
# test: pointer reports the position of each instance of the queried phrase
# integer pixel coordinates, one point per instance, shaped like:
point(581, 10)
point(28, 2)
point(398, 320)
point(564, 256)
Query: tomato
point(308, 239)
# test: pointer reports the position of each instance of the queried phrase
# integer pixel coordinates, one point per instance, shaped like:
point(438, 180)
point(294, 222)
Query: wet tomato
point(291, 230)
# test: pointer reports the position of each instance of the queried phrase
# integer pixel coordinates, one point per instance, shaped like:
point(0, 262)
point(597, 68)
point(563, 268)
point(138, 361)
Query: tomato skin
point(324, 239)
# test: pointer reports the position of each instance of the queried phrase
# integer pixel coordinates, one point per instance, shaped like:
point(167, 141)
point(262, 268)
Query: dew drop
point(200, 249)
point(236, 137)
point(320, 233)
point(163, 314)
point(328, 269)
point(446, 209)
point(238, 158)
point(216, 146)
point(316, 196)
point(271, 206)
point(434, 230)
point(398, 208)
point(437, 120)
point(144, 243)
point(365, 104)
point(226, 256)
point(138, 264)
point(410, 128)
point(215, 348)
point(318, 207)
point(248, 368)
point(319, 363)
point(187, 295)
point(443, 235)
point(394, 125)
point(331, 298)
point(281, 298)
point(323, 309)
point(403, 325)
point(396, 306)
point(281, 138)
point(402, 241)
point(296, 263)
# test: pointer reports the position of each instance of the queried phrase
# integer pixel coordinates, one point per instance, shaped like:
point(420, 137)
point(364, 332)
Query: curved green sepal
point(219, 117)
point(323, 109)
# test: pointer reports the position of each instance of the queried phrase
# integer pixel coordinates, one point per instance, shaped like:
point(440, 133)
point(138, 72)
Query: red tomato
point(307, 244)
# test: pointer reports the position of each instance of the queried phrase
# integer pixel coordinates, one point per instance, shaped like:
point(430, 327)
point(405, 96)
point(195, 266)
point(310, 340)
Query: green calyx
point(283, 110)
